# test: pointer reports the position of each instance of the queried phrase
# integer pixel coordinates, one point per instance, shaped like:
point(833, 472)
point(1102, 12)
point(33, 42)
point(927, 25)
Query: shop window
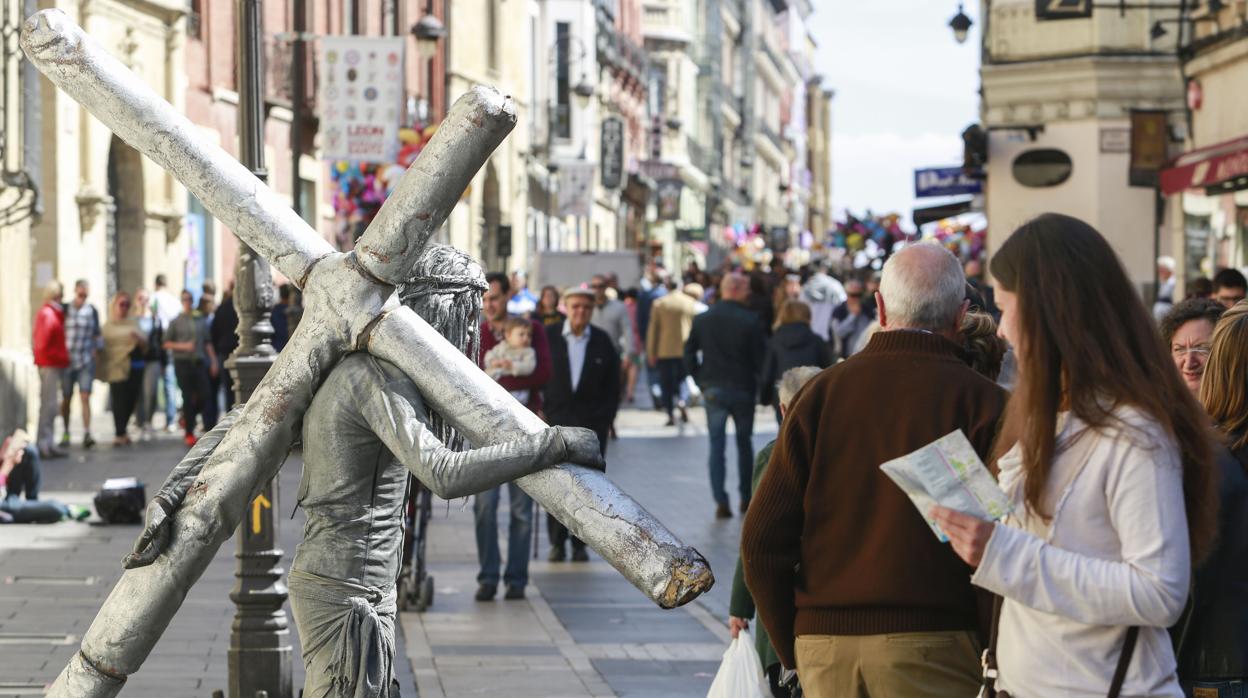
point(1044, 167)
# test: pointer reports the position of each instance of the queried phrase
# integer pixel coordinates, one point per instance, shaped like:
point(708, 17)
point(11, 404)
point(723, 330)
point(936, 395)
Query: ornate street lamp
point(960, 24)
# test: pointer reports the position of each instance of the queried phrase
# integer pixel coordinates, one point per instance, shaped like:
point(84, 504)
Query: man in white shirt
point(167, 308)
point(584, 389)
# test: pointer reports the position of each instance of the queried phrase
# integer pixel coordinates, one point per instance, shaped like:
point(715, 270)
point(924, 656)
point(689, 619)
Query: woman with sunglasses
point(124, 349)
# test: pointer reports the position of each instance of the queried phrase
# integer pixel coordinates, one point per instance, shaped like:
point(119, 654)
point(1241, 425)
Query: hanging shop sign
point(576, 187)
point(612, 142)
point(944, 181)
point(669, 192)
point(361, 97)
point(1063, 9)
point(1150, 140)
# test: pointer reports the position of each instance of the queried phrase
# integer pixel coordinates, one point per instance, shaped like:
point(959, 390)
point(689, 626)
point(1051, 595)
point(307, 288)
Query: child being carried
point(514, 356)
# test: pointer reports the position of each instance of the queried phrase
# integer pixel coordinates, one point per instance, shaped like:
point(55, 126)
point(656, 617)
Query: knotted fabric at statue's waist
point(347, 632)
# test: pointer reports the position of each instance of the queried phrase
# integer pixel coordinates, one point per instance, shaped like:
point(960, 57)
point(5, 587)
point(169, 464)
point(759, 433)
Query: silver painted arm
point(390, 409)
point(589, 504)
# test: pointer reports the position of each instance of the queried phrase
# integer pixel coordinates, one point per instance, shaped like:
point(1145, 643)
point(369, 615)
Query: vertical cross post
point(259, 656)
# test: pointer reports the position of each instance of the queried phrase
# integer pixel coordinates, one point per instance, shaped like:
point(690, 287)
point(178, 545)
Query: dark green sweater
point(741, 604)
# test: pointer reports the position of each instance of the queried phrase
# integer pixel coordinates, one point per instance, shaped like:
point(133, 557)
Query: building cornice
point(1078, 88)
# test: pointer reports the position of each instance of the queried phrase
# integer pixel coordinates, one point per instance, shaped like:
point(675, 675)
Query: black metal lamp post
point(259, 656)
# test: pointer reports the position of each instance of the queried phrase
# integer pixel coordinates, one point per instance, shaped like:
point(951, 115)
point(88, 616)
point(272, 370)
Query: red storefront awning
point(1222, 165)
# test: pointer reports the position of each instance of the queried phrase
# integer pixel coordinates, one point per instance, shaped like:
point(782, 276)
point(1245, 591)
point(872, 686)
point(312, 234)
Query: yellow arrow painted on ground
point(256, 504)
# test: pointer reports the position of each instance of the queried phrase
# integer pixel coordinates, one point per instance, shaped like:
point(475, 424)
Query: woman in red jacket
point(52, 358)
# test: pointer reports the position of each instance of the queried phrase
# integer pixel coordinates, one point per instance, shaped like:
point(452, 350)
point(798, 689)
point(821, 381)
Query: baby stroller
point(415, 587)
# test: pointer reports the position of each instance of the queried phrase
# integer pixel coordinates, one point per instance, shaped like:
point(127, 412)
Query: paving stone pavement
point(581, 631)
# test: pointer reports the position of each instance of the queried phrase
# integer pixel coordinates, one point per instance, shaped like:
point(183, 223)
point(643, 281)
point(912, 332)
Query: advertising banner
point(361, 96)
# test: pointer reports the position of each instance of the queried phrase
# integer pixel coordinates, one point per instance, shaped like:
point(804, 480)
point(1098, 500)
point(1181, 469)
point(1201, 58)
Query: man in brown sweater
point(856, 592)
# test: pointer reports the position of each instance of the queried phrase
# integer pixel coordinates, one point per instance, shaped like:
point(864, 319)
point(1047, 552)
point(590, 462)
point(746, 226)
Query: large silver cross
point(350, 305)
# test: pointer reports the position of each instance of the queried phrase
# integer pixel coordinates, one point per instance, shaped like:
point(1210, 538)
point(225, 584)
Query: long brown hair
point(1087, 344)
point(1224, 387)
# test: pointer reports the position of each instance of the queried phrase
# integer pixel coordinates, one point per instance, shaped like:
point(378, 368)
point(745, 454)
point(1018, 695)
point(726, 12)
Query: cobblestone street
point(582, 630)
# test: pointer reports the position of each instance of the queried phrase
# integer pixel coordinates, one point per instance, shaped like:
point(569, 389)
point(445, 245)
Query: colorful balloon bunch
point(872, 235)
point(360, 188)
point(963, 236)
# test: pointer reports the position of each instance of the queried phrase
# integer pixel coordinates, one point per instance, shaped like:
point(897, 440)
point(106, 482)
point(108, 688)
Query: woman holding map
point(1107, 459)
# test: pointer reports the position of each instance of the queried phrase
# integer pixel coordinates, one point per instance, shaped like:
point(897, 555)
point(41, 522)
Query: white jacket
point(1115, 554)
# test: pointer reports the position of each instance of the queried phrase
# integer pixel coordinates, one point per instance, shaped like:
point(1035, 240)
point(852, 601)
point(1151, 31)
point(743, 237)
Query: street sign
point(361, 96)
point(944, 181)
point(612, 152)
point(1063, 9)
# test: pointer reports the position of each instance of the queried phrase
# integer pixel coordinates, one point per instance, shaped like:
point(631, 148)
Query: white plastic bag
point(740, 675)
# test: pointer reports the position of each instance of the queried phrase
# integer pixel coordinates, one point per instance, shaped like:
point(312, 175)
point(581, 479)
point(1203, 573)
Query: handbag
point(989, 660)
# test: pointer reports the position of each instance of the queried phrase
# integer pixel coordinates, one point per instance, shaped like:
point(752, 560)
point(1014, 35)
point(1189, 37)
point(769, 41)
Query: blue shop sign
point(944, 181)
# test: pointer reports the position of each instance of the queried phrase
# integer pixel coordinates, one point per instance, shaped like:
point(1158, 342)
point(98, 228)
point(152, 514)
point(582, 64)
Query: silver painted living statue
point(351, 306)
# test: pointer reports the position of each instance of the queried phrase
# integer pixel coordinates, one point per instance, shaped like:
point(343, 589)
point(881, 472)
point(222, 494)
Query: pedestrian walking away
point(52, 359)
point(671, 321)
point(1108, 463)
point(724, 355)
point(83, 340)
point(584, 391)
point(792, 344)
point(855, 592)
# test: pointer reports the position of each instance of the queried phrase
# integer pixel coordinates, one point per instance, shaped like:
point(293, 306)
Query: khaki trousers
point(900, 665)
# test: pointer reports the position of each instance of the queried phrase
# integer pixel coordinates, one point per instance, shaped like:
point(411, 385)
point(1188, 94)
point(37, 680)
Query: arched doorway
point(126, 230)
point(491, 221)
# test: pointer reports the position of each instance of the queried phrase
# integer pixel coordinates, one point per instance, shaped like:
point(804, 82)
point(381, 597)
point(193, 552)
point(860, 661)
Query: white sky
point(905, 90)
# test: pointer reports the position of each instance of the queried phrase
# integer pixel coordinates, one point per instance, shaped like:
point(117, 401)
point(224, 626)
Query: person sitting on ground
point(21, 473)
point(514, 356)
point(741, 607)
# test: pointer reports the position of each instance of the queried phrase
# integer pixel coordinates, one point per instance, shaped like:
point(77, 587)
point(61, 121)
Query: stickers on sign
point(353, 57)
point(392, 58)
point(331, 57)
point(352, 74)
point(351, 113)
point(370, 94)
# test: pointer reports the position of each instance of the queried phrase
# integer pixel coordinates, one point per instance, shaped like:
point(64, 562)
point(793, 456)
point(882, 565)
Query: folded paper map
point(948, 472)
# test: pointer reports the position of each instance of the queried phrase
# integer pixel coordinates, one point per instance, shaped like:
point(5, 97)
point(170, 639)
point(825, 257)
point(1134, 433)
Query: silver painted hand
point(582, 447)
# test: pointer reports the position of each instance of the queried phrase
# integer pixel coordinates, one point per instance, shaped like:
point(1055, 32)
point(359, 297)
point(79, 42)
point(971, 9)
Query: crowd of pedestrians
point(158, 355)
